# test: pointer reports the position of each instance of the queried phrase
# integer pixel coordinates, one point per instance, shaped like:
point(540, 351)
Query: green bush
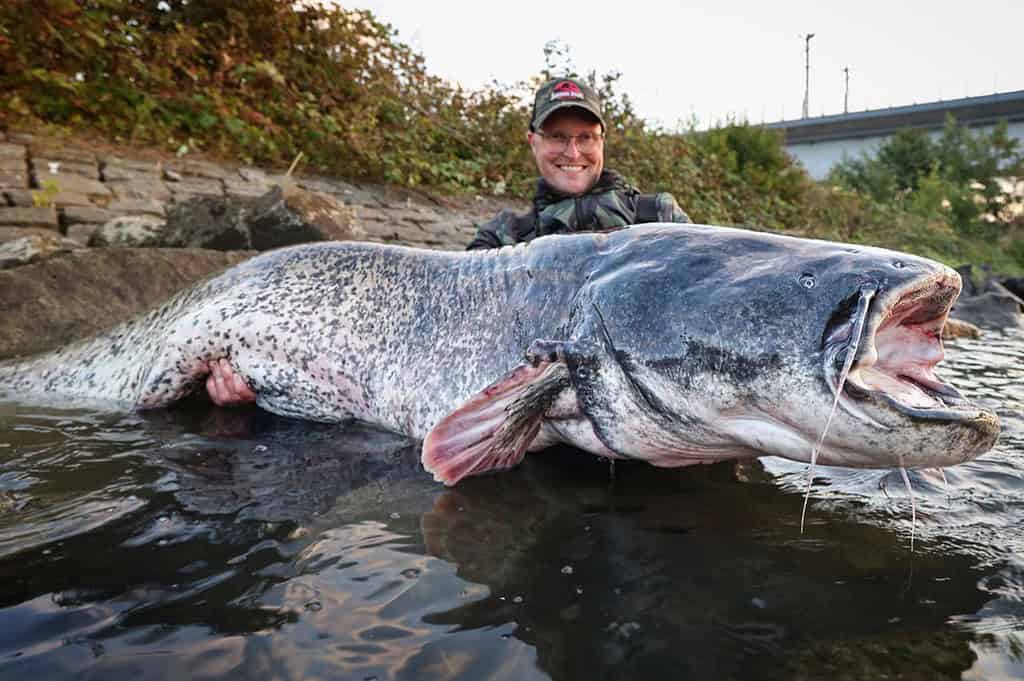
point(956, 175)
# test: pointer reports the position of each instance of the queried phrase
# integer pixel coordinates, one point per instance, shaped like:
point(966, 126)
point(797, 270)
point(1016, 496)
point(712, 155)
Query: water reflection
point(220, 544)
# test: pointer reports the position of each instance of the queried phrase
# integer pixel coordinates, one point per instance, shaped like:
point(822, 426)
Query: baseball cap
point(562, 93)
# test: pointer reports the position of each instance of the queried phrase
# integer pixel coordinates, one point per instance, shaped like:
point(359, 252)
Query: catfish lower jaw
point(917, 397)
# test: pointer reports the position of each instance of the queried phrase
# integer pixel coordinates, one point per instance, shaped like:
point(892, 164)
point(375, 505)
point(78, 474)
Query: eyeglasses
point(560, 141)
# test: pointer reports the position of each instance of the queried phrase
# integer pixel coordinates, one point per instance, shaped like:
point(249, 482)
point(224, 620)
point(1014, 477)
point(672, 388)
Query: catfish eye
point(807, 280)
point(898, 264)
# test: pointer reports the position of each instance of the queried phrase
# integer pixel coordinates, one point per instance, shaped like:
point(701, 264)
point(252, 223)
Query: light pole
point(846, 92)
point(807, 72)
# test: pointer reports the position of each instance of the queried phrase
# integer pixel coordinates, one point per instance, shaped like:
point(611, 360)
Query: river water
point(198, 543)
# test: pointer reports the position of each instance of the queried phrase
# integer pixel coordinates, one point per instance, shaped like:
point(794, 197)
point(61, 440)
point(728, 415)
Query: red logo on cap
point(567, 90)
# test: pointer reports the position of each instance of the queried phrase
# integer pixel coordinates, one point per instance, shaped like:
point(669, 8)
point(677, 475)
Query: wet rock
point(207, 222)
point(957, 328)
point(990, 310)
point(129, 231)
point(291, 215)
point(1014, 285)
point(280, 217)
point(33, 248)
point(76, 294)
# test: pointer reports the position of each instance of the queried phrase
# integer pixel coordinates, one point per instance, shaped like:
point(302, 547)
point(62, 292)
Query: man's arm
point(497, 232)
point(485, 238)
point(669, 210)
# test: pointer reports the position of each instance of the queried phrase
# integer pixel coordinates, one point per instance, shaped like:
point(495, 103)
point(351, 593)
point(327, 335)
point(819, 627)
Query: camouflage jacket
point(611, 203)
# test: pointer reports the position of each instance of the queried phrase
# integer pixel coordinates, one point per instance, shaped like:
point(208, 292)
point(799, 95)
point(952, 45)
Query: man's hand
point(225, 387)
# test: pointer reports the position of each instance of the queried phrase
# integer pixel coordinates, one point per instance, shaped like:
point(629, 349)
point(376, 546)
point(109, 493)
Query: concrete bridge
point(819, 143)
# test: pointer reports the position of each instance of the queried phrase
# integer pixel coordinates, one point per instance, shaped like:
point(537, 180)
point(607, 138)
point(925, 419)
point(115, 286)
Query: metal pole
point(807, 72)
point(846, 93)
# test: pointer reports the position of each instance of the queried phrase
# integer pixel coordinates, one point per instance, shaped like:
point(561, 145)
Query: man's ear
point(529, 137)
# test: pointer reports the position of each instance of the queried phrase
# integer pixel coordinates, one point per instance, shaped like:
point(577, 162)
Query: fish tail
point(120, 365)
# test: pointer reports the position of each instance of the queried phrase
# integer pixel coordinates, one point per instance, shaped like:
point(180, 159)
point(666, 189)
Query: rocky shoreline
point(92, 234)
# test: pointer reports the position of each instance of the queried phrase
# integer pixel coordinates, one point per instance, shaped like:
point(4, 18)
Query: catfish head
point(698, 344)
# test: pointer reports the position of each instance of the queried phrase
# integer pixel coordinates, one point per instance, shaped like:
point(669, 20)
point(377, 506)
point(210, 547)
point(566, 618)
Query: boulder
point(33, 248)
point(989, 310)
point(289, 215)
point(280, 217)
point(83, 292)
point(129, 231)
point(207, 222)
point(1014, 285)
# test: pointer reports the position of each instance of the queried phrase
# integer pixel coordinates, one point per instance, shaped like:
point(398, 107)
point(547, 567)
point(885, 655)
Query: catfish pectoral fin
point(494, 428)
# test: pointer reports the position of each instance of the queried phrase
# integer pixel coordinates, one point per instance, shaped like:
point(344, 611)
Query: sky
point(712, 60)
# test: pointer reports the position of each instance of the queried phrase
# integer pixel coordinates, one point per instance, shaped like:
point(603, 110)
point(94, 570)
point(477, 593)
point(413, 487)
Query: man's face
point(568, 170)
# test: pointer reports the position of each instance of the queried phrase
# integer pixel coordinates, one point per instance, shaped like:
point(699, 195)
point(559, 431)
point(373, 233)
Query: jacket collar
point(546, 194)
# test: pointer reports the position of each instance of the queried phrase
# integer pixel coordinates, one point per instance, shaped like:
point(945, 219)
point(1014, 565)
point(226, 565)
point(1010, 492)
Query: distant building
point(819, 143)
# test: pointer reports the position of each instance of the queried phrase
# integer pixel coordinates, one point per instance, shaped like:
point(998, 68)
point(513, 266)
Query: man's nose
point(571, 150)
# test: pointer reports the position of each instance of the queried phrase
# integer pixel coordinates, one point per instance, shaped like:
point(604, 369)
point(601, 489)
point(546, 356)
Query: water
point(216, 544)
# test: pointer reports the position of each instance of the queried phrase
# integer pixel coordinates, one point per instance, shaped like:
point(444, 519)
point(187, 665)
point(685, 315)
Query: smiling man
point(575, 193)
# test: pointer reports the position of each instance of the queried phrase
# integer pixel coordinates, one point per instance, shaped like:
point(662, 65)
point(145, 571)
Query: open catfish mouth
point(900, 344)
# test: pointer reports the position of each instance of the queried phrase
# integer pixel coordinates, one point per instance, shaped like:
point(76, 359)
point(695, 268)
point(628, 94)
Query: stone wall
point(55, 187)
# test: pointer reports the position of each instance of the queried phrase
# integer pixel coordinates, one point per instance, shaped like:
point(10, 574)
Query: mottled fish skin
point(331, 331)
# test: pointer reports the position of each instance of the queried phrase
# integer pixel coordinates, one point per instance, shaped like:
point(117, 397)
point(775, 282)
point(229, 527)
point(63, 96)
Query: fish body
point(674, 344)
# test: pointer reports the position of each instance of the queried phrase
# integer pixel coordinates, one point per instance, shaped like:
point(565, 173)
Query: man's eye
point(584, 139)
point(560, 139)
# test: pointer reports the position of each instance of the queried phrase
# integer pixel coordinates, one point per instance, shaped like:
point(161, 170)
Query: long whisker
point(913, 506)
point(867, 292)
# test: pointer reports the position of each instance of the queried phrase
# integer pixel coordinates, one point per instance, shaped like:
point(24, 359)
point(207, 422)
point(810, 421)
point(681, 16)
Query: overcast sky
point(714, 58)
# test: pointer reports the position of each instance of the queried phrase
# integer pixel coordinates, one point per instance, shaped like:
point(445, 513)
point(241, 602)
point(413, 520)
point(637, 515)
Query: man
point(575, 193)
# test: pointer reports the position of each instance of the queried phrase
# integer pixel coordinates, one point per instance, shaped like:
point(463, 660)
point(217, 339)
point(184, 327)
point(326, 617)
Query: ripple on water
point(65, 473)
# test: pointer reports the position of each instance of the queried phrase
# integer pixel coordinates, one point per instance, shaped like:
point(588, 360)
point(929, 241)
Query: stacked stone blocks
point(69, 190)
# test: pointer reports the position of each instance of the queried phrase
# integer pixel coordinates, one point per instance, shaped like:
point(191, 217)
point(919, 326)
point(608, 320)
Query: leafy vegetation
point(961, 175)
point(262, 80)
